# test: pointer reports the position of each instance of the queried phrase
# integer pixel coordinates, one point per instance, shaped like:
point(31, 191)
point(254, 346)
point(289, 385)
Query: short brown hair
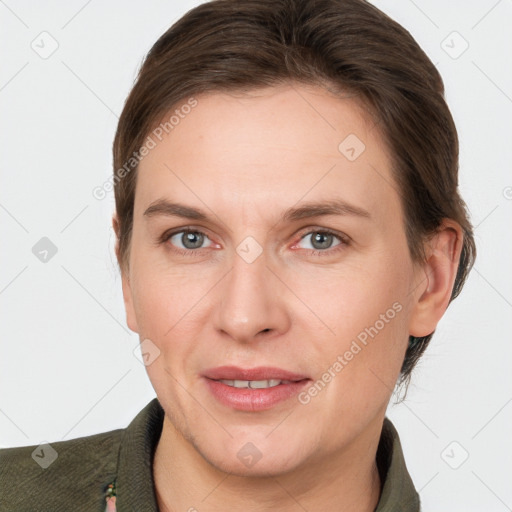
point(345, 45)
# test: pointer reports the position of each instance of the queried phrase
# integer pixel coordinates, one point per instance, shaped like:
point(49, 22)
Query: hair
point(344, 45)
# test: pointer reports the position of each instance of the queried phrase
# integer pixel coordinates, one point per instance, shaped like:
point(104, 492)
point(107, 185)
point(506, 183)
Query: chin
point(239, 456)
point(263, 468)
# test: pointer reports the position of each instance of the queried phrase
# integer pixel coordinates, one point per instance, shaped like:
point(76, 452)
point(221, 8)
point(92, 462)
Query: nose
point(251, 302)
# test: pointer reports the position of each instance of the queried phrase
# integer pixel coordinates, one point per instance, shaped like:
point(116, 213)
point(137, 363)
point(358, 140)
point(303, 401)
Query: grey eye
point(321, 240)
point(188, 239)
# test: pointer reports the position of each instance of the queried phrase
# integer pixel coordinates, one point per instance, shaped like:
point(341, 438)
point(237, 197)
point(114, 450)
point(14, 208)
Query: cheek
point(361, 323)
point(153, 299)
point(165, 294)
point(167, 305)
point(352, 297)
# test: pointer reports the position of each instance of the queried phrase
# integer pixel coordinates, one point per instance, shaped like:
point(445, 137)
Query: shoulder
point(61, 475)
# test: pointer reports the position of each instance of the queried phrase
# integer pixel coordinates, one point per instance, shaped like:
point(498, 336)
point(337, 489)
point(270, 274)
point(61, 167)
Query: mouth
point(255, 389)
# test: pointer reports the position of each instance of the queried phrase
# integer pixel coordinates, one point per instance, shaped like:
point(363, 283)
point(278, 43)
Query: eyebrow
point(170, 209)
point(163, 207)
point(322, 208)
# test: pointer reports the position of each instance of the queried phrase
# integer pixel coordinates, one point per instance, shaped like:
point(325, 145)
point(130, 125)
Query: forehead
point(267, 148)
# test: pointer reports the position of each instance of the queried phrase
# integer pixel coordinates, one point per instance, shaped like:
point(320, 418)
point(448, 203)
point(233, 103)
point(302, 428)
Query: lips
point(253, 389)
point(252, 374)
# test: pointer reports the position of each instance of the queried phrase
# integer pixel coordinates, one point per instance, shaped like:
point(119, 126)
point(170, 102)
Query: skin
point(244, 160)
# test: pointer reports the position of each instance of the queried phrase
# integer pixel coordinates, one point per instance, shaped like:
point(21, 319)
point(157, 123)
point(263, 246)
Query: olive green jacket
point(74, 475)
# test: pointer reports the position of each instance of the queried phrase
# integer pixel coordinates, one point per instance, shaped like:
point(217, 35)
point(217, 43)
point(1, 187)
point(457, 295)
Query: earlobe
point(436, 278)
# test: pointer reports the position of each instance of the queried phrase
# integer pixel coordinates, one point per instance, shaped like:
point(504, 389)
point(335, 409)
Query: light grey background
point(67, 366)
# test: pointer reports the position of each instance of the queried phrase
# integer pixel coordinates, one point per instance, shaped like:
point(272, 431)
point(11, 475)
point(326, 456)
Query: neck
point(347, 481)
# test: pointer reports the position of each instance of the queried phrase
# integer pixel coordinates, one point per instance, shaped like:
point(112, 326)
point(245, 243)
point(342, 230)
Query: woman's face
point(296, 259)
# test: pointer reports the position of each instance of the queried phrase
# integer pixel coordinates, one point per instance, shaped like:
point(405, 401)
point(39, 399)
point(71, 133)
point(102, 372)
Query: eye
point(188, 239)
point(320, 240)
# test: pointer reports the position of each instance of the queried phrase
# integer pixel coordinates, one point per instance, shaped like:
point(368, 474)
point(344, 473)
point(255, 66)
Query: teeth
point(262, 384)
point(254, 384)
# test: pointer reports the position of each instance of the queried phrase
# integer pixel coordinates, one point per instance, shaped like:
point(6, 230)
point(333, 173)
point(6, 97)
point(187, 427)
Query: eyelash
point(344, 241)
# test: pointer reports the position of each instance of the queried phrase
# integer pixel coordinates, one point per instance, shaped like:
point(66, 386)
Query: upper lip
point(258, 373)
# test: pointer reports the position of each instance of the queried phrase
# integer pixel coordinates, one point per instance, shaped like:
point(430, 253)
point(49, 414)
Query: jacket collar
point(135, 487)
point(398, 492)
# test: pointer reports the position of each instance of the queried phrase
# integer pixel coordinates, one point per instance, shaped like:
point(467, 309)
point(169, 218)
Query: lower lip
point(247, 399)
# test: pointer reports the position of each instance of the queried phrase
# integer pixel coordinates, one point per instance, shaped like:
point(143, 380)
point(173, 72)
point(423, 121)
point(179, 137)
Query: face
point(268, 235)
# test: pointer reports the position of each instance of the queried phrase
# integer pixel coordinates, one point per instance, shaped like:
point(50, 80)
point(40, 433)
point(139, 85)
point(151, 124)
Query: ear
point(117, 229)
point(131, 318)
point(436, 277)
